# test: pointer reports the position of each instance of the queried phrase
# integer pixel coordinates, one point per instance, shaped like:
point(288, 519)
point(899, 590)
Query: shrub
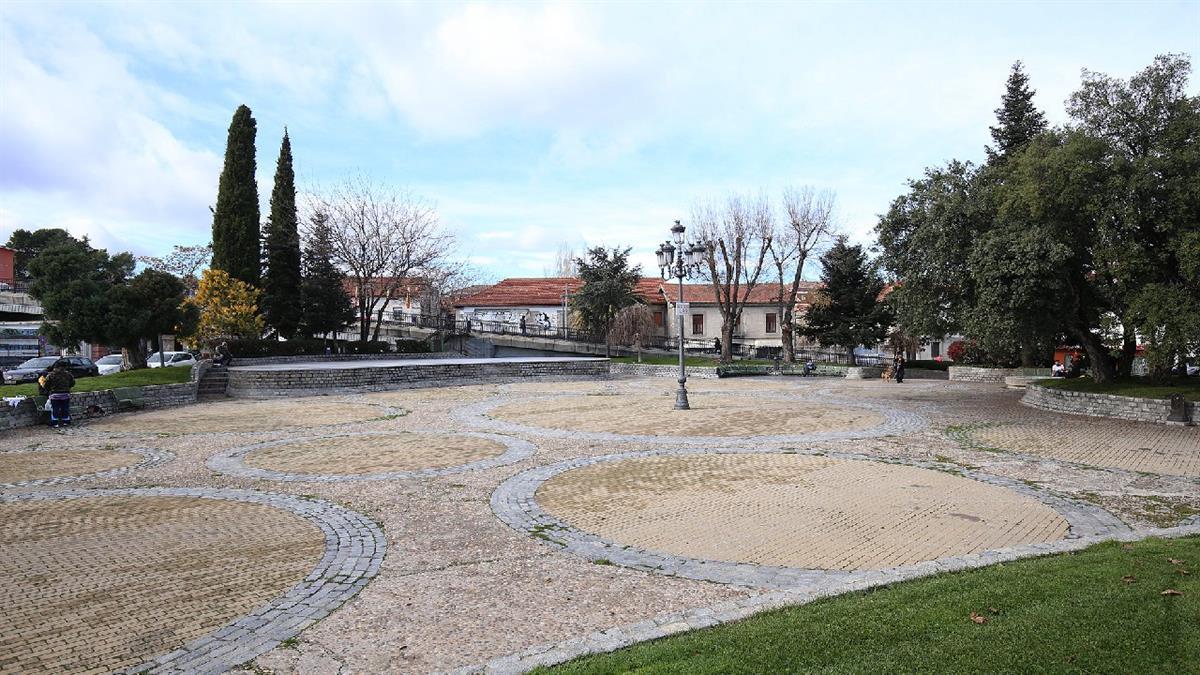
point(968, 352)
point(929, 364)
point(413, 347)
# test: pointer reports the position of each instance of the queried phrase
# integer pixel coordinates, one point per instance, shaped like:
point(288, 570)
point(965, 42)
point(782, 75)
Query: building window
point(935, 349)
point(658, 319)
point(772, 322)
point(697, 324)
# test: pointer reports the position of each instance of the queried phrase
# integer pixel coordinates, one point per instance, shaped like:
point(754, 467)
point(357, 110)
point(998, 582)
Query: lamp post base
point(681, 399)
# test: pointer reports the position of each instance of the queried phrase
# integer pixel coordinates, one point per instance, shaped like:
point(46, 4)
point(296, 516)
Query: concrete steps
point(213, 385)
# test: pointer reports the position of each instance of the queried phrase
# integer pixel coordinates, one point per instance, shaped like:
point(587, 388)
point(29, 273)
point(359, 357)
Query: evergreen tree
point(608, 283)
point(848, 313)
point(281, 279)
point(236, 217)
point(326, 307)
point(1019, 121)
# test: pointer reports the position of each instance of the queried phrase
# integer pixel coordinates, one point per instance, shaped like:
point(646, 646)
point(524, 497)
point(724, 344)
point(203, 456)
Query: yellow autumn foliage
point(228, 308)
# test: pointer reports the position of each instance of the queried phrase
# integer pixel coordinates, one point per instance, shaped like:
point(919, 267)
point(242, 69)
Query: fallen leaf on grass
point(1176, 561)
point(978, 618)
point(1129, 578)
point(1182, 571)
point(1170, 591)
point(1126, 547)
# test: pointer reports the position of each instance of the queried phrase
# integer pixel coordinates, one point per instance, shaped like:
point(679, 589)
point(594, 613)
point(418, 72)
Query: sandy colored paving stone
point(243, 416)
point(38, 464)
point(414, 397)
point(552, 387)
point(1134, 446)
point(710, 415)
point(100, 583)
point(375, 453)
point(795, 510)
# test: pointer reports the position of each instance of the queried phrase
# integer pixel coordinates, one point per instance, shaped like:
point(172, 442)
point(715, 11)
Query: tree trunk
point(726, 342)
point(1028, 357)
point(1128, 352)
point(785, 334)
point(364, 321)
point(1103, 368)
point(850, 357)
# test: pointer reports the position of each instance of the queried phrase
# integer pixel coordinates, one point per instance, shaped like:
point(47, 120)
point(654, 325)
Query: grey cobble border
point(515, 504)
point(354, 549)
point(664, 625)
point(232, 461)
point(895, 422)
point(150, 457)
point(386, 412)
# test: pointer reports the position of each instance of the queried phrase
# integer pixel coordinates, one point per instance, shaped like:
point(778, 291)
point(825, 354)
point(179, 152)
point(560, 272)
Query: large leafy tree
point(326, 307)
point(27, 244)
point(848, 312)
point(608, 287)
point(148, 306)
point(281, 279)
point(236, 216)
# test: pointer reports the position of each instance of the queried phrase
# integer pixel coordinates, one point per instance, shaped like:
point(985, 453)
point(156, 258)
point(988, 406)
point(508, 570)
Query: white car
point(110, 364)
point(171, 359)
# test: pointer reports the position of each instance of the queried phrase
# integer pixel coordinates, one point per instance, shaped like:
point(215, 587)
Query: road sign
point(682, 309)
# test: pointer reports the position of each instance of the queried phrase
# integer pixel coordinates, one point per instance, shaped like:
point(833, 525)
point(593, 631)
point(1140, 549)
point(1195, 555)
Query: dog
point(94, 411)
point(888, 374)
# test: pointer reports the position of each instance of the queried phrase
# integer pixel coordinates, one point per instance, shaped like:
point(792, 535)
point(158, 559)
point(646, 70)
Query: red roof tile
point(541, 292)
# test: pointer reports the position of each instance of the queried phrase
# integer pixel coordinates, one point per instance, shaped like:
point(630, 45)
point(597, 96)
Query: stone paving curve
point(461, 587)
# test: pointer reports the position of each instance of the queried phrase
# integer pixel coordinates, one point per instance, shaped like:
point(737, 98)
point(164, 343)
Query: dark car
point(32, 369)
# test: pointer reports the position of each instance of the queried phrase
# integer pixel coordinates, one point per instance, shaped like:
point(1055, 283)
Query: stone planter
point(976, 374)
point(1105, 405)
point(863, 372)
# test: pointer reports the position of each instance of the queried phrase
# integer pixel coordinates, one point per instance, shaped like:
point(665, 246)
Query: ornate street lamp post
point(686, 264)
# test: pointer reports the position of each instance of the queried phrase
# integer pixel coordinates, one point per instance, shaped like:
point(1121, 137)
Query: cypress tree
point(281, 279)
point(235, 219)
point(1018, 119)
point(326, 305)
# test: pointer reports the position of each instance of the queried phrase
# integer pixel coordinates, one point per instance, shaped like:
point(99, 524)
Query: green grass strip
point(1138, 387)
point(1100, 610)
point(129, 378)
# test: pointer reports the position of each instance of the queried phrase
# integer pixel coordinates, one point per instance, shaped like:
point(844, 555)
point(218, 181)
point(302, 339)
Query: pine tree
point(281, 279)
point(235, 219)
point(326, 307)
point(848, 312)
point(1019, 121)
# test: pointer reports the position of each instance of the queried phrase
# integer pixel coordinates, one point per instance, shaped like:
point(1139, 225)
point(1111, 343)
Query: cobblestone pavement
point(795, 510)
point(464, 585)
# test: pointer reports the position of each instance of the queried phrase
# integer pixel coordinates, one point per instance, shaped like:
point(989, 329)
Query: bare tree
point(385, 239)
point(185, 262)
point(739, 235)
point(564, 262)
point(807, 227)
point(631, 326)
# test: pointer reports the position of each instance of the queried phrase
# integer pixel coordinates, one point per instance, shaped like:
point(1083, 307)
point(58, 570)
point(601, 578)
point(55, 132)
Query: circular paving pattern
point(245, 416)
point(728, 417)
point(372, 456)
point(1132, 446)
point(23, 468)
point(781, 519)
point(795, 510)
point(103, 580)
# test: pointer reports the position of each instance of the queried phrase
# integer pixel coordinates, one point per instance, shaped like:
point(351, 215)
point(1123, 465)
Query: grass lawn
point(129, 378)
point(1132, 386)
point(1099, 610)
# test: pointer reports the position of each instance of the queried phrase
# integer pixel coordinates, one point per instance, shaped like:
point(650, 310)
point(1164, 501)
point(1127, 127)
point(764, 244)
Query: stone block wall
point(863, 372)
point(649, 370)
point(975, 374)
point(925, 374)
point(317, 358)
point(266, 383)
point(153, 396)
point(1102, 405)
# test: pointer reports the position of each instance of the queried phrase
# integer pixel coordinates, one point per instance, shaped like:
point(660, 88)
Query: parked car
point(171, 359)
point(110, 364)
point(34, 368)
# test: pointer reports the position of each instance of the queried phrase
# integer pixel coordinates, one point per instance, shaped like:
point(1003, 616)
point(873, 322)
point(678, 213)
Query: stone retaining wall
point(153, 396)
point(266, 383)
point(310, 358)
point(975, 374)
point(650, 370)
point(1103, 405)
point(863, 372)
point(925, 374)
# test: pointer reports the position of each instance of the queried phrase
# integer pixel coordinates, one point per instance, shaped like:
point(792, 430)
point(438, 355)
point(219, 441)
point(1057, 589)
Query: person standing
point(899, 368)
point(522, 324)
point(58, 384)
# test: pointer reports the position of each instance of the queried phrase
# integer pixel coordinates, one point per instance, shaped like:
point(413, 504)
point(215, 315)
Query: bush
point(371, 347)
point(413, 347)
point(316, 346)
point(968, 353)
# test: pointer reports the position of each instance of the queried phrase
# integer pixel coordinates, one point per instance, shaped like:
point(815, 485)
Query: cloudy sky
point(527, 125)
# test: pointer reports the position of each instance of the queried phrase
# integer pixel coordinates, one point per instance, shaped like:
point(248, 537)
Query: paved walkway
point(249, 521)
